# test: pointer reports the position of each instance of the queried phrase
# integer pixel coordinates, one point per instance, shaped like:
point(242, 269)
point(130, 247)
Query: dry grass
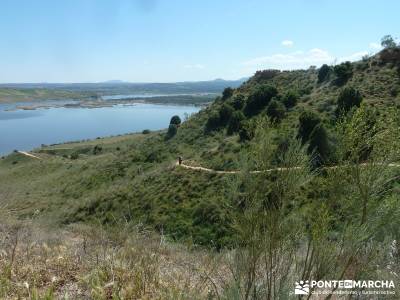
point(86, 263)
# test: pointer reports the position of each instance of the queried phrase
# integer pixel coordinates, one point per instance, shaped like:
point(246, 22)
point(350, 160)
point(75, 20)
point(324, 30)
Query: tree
point(276, 110)
point(323, 73)
point(260, 98)
point(227, 93)
point(290, 99)
point(319, 145)
point(235, 122)
point(348, 98)
point(238, 102)
point(343, 72)
point(176, 120)
point(213, 122)
point(307, 122)
point(225, 113)
point(388, 42)
point(172, 130)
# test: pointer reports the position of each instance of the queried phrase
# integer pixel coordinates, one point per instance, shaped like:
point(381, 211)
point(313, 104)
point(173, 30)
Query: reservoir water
point(28, 129)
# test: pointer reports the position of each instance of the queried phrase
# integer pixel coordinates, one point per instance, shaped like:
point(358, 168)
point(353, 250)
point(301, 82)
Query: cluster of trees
point(236, 108)
point(388, 42)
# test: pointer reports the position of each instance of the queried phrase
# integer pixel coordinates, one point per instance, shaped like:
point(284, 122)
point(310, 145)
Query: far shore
point(195, 100)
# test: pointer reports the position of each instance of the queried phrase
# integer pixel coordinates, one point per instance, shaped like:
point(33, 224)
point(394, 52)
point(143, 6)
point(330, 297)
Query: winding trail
point(185, 166)
point(28, 154)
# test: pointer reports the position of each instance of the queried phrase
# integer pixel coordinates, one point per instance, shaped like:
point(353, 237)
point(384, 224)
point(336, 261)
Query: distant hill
point(25, 91)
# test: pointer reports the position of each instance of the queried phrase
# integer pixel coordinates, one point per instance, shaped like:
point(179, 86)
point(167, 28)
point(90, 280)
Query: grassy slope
point(133, 177)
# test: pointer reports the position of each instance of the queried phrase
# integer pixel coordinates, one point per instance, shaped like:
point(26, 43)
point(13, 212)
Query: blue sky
point(178, 40)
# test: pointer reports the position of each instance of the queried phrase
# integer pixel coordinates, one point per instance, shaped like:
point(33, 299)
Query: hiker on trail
point(180, 160)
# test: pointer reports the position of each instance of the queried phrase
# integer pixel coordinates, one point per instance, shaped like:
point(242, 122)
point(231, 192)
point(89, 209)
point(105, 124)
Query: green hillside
point(134, 176)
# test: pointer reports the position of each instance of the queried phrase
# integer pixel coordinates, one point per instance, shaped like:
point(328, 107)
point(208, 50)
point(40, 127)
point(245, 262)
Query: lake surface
point(28, 129)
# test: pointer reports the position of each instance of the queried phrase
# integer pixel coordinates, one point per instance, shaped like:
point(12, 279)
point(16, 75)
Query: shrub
point(146, 131)
point(323, 73)
point(176, 120)
point(260, 98)
point(74, 155)
point(97, 149)
point(238, 102)
point(276, 110)
point(225, 114)
point(290, 99)
point(172, 130)
point(227, 93)
point(247, 130)
point(235, 122)
point(213, 122)
point(319, 144)
point(307, 122)
point(348, 98)
point(343, 72)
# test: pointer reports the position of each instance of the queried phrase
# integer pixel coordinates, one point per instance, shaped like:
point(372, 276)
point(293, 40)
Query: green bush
point(146, 131)
point(323, 73)
point(343, 72)
point(307, 122)
point(290, 99)
point(259, 98)
point(225, 113)
point(227, 93)
point(276, 110)
point(235, 122)
point(176, 120)
point(348, 98)
point(319, 145)
point(238, 102)
point(172, 130)
point(213, 122)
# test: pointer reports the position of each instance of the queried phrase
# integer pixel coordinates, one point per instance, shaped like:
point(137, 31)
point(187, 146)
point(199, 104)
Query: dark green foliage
point(213, 122)
point(319, 145)
point(290, 99)
point(146, 131)
point(247, 130)
point(348, 98)
point(259, 98)
point(312, 131)
point(238, 102)
point(307, 122)
point(276, 110)
point(227, 93)
point(97, 149)
point(172, 130)
point(343, 72)
point(388, 42)
point(235, 122)
point(225, 114)
point(175, 120)
point(74, 155)
point(323, 73)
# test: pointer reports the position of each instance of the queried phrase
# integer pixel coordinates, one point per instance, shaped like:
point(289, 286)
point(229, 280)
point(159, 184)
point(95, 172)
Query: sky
point(183, 40)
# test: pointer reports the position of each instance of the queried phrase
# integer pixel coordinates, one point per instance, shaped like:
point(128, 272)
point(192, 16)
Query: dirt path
point(28, 154)
point(256, 172)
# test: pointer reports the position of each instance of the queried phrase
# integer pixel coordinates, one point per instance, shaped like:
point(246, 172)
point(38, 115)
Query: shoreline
point(182, 100)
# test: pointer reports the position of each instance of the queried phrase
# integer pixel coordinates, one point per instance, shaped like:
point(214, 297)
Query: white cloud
point(195, 66)
point(287, 43)
point(354, 56)
point(375, 46)
point(291, 61)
